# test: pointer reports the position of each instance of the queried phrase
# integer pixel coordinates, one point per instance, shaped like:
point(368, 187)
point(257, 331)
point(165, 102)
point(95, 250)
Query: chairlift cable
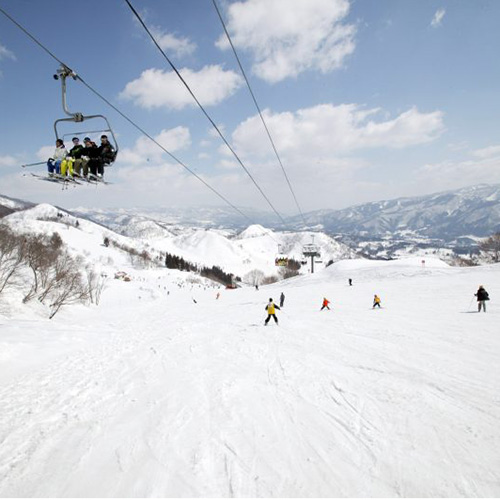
point(203, 109)
point(125, 117)
point(258, 109)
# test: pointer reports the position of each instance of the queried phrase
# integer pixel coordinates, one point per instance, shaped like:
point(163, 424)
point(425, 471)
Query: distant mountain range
point(472, 211)
point(453, 220)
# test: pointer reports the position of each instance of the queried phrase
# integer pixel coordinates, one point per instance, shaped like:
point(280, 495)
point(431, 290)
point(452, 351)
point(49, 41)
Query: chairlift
point(62, 73)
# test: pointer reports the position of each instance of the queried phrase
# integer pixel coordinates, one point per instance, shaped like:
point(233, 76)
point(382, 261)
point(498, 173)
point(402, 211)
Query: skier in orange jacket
point(325, 304)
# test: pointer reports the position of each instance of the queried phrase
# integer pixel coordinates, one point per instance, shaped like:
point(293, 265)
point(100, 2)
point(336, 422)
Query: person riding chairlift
point(54, 163)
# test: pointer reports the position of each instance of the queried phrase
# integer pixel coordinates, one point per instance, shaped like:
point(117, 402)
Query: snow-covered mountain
point(255, 248)
point(9, 205)
point(444, 224)
point(446, 216)
point(205, 217)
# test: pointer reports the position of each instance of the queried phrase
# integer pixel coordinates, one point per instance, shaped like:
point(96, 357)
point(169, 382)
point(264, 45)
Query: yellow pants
point(67, 167)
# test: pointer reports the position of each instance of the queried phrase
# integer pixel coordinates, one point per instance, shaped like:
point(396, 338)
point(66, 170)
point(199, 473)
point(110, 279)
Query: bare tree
point(38, 257)
point(287, 272)
point(254, 277)
point(491, 246)
point(95, 285)
point(62, 266)
point(71, 289)
point(270, 279)
point(11, 256)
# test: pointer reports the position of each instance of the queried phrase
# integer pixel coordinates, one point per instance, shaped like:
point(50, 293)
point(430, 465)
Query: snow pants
point(80, 164)
point(324, 305)
point(269, 317)
point(481, 303)
point(376, 304)
point(54, 166)
point(67, 167)
point(96, 166)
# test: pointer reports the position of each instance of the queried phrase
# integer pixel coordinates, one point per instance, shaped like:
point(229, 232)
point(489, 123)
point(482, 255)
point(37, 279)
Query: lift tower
point(311, 250)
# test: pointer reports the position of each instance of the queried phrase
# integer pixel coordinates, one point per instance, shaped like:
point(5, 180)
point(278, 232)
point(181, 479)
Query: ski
point(97, 179)
point(56, 178)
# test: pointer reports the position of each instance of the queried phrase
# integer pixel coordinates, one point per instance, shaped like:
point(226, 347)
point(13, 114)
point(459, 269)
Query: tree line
point(214, 273)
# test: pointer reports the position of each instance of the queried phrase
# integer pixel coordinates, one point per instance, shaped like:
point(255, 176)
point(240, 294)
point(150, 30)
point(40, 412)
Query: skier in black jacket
point(482, 297)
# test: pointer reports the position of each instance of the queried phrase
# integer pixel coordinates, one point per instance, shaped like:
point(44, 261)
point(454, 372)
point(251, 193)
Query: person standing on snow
point(271, 311)
point(325, 304)
point(350, 282)
point(482, 296)
point(376, 301)
point(282, 299)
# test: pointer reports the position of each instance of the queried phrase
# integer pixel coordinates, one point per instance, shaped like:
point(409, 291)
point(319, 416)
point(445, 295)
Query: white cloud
point(156, 88)
point(452, 175)
point(203, 156)
point(288, 37)
point(226, 164)
point(214, 134)
point(146, 150)
point(487, 152)
point(5, 53)
point(45, 152)
point(170, 43)
point(8, 161)
point(327, 130)
point(438, 18)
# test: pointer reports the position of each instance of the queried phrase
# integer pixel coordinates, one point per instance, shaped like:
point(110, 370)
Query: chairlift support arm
point(62, 73)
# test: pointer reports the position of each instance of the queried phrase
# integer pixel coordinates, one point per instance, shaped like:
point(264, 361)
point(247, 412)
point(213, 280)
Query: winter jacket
point(325, 302)
point(91, 152)
point(482, 294)
point(107, 153)
point(60, 153)
point(76, 151)
point(376, 299)
point(270, 308)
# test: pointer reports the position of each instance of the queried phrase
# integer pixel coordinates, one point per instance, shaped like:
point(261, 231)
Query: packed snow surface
point(152, 394)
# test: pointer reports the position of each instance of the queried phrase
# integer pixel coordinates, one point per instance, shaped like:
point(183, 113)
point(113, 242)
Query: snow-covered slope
point(254, 248)
point(84, 238)
point(154, 395)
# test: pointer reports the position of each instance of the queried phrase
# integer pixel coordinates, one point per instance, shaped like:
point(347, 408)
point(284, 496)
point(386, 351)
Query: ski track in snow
point(165, 397)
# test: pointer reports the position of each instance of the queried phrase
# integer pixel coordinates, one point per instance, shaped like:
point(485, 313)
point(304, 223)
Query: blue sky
point(365, 99)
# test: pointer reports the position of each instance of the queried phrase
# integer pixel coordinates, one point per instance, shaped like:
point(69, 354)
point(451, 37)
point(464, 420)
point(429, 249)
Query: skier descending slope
point(376, 301)
point(482, 296)
point(325, 304)
point(270, 308)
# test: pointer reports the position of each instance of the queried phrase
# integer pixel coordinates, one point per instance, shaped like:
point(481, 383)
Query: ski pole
point(33, 164)
point(470, 303)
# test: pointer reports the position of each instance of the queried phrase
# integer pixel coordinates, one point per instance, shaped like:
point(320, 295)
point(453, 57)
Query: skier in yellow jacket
point(376, 301)
point(271, 311)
